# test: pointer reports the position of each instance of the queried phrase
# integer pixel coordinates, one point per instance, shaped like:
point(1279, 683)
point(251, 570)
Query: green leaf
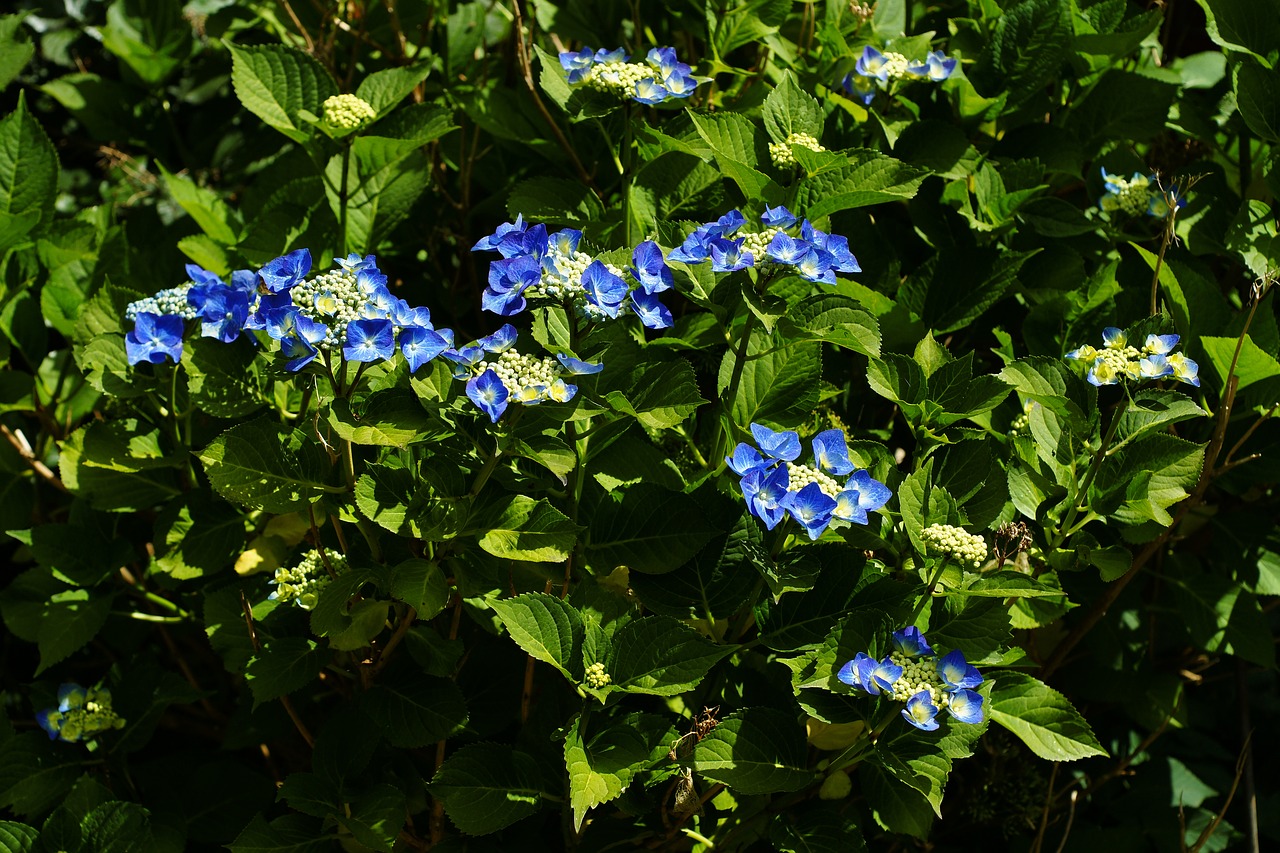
point(602, 768)
point(896, 806)
point(834, 319)
point(1122, 105)
point(96, 103)
point(488, 786)
point(779, 382)
point(650, 529)
point(276, 83)
point(282, 666)
point(214, 216)
point(525, 529)
point(34, 773)
point(390, 418)
point(151, 36)
point(1029, 43)
point(661, 396)
point(1258, 97)
point(28, 172)
point(1006, 583)
point(660, 656)
point(956, 286)
point(71, 620)
point(1146, 478)
point(1042, 718)
point(288, 834)
point(16, 837)
point(789, 109)
point(421, 585)
point(383, 90)
point(16, 48)
point(1154, 409)
point(555, 201)
point(1251, 26)
point(384, 178)
point(546, 628)
point(376, 817)
point(817, 827)
point(868, 178)
point(1223, 618)
point(755, 751)
point(347, 614)
point(256, 465)
point(224, 380)
point(416, 712)
point(1254, 364)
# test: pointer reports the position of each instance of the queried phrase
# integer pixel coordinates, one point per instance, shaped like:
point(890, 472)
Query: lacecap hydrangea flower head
point(1117, 361)
point(497, 375)
point(80, 714)
point(541, 268)
point(917, 676)
point(876, 70)
point(778, 242)
point(347, 312)
point(774, 485)
point(661, 77)
point(1138, 195)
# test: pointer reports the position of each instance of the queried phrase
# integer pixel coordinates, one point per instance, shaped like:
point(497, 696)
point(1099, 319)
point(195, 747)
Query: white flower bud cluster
point(171, 301)
point(347, 112)
point(302, 583)
point(757, 243)
point(918, 674)
point(520, 372)
point(617, 77)
point(895, 65)
point(596, 677)
point(1132, 196)
point(1020, 426)
point(333, 298)
point(800, 476)
point(565, 281)
point(89, 719)
point(964, 546)
point(780, 152)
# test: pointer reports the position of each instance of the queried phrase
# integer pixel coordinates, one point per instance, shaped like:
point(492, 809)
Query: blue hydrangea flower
point(222, 310)
point(660, 78)
point(812, 253)
point(746, 459)
point(500, 341)
point(577, 64)
point(420, 345)
point(488, 392)
point(370, 340)
point(811, 507)
point(956, 672)
point(650, 269)
point(784, 445)
point(778, 217)
point(606, 291)
point(652, 313)
point(831, 452)
point(154, 338)
point(921, 712)
point(858, 673)
point(878, 70)
point(284, 272)
point(764, 490)
point(299, 339)
point(911, 643)
point(886, 675)
point(576, 366)
point(1117, 361)
point(966, 706)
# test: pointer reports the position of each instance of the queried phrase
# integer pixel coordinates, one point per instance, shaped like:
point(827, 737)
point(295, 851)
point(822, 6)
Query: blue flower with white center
point(660, 77)
point(577, 64)
point(154, 338)
point(355, 263)
point(778, 217)
point(862, 89)
point(921, 712)
point(652, 313)
point(1117, 361)
point(763, 490)
point(500, 341)
point(1155, 367)
point(811, 507)
point(956, 672)
point(1114, 338)
point(560, 391)
point(746, 459)
point(370, 340)
point(201, 276)
point(785, 249)
point(576, 366)
point(966, 706)
point(696, 248)
point(861, 495)
point(886, 674)
point(298, 339)
point(872, 64)
point(910, 642)
point(936, 67)
point(284, 272)
point(650, 269)
point(503, 231)
point(605, 290)
point(881, 69)
point(1160, 344)
point(678, 85)
point(1184, 369)
point(784, 445)
point(618, 54)
point(650, 91)
point(223, 312)
point(727, 256)
point(488, 393)
point(831, 452)
point(419, 345)
point(816, 266)
point(858, 673)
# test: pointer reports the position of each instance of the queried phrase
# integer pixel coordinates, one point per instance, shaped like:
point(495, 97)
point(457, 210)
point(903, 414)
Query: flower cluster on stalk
point(661, 77)
point(774, 485)
point(782, 155)
point(347, 312)
point(1117, 361)
point(1138, 195)
point(347, 112)
point(813, 255)
point(303, 582)
point(541, 268)
point(875, 70)
point(497, 375)
point(968, 549)
point(80, 714)
point(915, 675)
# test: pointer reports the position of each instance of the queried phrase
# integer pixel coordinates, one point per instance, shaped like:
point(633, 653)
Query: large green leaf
point(487, 786)
point(389, 418)
point(71, 620)
point(416, 712)
point(525, 529)
point(779, 381)
point(152, 37)
point(383, 90)
point(16, 48)
point(601, 768)
point(660, 656)
point(789, 109)
point(1250, 26)
point(547, 629)
point(214, 216)
point(283, 666)
point(258, 466)
point(28, 174)
point(276, 83)
point(1029, 43)
point(755, 751)
point(1042, 718)
point(868, 178)
point(650, 529)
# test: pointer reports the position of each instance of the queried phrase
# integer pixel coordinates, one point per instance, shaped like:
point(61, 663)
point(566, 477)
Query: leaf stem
point(1065, 529)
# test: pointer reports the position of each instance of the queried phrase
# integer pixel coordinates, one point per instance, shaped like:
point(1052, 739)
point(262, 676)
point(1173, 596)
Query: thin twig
point(1246, 727)
point(1222, 812)
point(284, 700)
point(1044, 813)
point(384, 657)
point(1071, 818)
point(306, 36)
point(24, 450)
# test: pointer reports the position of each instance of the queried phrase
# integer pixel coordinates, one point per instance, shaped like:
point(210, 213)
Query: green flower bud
point(347, 112)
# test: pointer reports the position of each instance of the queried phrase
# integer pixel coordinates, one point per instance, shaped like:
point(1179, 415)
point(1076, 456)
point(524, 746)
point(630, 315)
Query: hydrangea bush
point(785, 430)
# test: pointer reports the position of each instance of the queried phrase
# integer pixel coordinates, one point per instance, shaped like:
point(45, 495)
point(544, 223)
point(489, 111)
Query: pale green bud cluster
point(780, 152)
point(93, 716)
point(800, 476)
point(1022, 423)
point(347, 112)
point(1132, 196)
point(333, 298)
point(170, 301)
point(919, 674)
point(529, 379)
point(895, 65)
point(757, 243)
point(596, 677)
point(302, 583)
point(565, 280)
point(619, 78)
point(969, 549)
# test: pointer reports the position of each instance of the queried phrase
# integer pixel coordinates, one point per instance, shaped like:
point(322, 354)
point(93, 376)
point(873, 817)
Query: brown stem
point(27, 456)
point(284, 700)
point(293, 16)
point(406, 622)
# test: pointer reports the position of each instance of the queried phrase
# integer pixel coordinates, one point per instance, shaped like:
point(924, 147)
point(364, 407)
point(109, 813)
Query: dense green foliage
point(312, 603)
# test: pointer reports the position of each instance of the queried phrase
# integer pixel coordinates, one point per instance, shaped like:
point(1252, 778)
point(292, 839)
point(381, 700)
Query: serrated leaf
point(547, 629)
point(205, 206)
point(488, 786)
point(153, 37)
point(834, 319)
point(282, 666)
point(16, 837)
point(224, 380)
point(288, 834)
point(650, 529)
point(390, 418)
point(384, 89)
point(16, 48)
point(789, 109)
point(276, 83)
point(660, 656)
point(256, 465)
point(1042, 718)
point(416, 712)
point(28, 173)
point(868, 178)
point(661, 396)
point(421, 585)
point(71, 620)
point(779, 380)
point(525, 529)
point(755, 751)
point(601, 769)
